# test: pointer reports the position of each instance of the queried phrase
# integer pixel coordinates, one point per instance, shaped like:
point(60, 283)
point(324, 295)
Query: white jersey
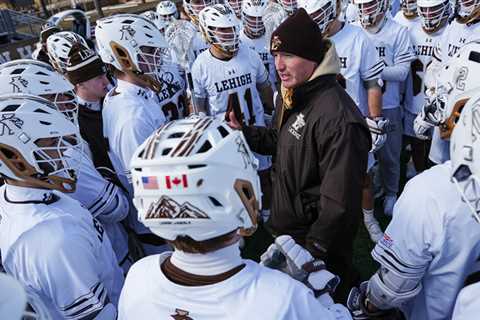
point(456, 35)
point(53, 246)
point(432, 236)
point(130, 115)
point(217, 80)
point(172, 94)
point(467, 306)
point(260, 46)
point(358, 63)
point(424, 44)
point(393, 47)
point(400, 18)
point(107, 203)
point(199, 45)
point(254, 292)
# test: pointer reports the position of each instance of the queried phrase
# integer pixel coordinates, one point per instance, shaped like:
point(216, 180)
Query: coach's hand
point(232, 120)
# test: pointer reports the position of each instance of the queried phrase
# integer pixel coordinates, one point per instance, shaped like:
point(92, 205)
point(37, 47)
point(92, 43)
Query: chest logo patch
point(296, 127)
point(181, 315)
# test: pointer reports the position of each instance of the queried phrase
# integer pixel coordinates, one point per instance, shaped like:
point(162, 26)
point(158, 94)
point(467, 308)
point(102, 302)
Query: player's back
point(432, 233)
point(255, 292)
point(54, 247)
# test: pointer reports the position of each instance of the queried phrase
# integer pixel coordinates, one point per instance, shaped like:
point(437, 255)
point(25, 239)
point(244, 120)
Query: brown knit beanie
point(83, 64)
point(299, 35)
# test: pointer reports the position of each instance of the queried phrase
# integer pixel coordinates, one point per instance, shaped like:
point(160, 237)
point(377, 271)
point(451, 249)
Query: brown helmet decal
point(447, 126)
point(245, 191)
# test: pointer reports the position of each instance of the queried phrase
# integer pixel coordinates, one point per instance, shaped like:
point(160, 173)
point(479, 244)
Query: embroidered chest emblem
point(181, 315)
point(296, 127)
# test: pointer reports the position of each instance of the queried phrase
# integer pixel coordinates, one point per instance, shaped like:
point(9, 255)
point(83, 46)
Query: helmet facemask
point(468, 11)
point(433, 18)
point(66, 103)
point(42, 148)
point(290, 6)
point(409, 8)
point(193, 8)
point(324, 16)
point(253, 26)
point(372, 14)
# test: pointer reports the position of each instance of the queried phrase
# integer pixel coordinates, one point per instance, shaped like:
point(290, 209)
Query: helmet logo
point(127, 32)
point(242, 149)
point(167, 208)
point(276, 43)
point(4, 123)
point(17, 82)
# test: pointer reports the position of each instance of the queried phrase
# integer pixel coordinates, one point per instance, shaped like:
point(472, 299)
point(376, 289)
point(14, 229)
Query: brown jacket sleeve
point(261, 140)
point(344, 163)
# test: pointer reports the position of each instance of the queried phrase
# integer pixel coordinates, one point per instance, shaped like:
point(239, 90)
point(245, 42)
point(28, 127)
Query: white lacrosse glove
point(378, 130)
point(286, 255)
point(431, 115)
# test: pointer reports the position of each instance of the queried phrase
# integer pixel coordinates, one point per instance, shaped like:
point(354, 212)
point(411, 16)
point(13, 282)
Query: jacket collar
point(322, 76)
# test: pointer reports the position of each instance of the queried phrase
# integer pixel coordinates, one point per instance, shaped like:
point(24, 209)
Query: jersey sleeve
point(71, 277)
point(261, 75)
point(403, 47)
point(101, 197)
point(371, 66)
point(199, 89)
point(131, 137)
point(404, 248)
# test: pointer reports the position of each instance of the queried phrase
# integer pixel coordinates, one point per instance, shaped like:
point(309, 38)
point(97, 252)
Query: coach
point(320, 147)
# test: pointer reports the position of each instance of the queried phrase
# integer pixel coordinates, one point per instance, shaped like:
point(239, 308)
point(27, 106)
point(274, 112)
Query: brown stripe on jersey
point(183, 278)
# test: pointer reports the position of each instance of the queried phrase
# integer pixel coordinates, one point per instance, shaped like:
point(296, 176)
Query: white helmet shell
point(167, 12)
point(196, 177)
point(26, 119)
point(58, 48)
point(321, 11)
point(252, 13)
point(465, 154)
point(133, 44)
point(433, 14)
point(220, 16)
point(369, 12)
point(40, 79)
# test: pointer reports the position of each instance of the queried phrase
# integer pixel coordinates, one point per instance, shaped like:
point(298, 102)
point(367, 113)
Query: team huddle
point(130, 181)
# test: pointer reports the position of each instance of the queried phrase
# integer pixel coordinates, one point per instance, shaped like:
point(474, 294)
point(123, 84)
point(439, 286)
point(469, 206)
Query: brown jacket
point(320, 150)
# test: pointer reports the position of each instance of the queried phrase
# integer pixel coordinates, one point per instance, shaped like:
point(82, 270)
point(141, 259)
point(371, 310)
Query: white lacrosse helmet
point(39, 79)
point(153, 17)
point(371, 13)
point(433, 14)
point(237, 7)
point(290, 6)
point(321, 11)
point(460, 80)
point(133, 44)
point(409, 8)
point(252, 13)
point(35, 140)
point(193, 7)
point(468, 11)
point(167, 12)
point(58, 48)
point(221, 28)
point(465, 154)
point(196, 177)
